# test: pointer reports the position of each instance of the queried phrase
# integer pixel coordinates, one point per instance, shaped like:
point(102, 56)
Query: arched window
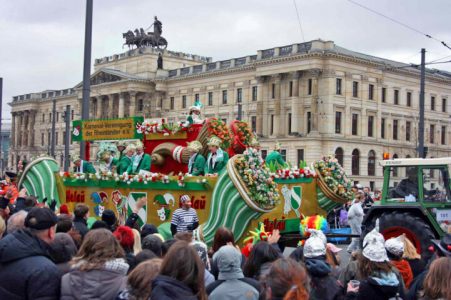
point(355, 166)
point(395, 169)
point(371, 163)
point(339, 153)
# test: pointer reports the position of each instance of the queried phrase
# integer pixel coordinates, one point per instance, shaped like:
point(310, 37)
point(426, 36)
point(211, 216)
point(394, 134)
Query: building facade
point(315, 98)
point(4, 146)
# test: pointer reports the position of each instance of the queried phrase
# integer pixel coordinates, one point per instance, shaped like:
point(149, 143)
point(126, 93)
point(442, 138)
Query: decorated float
point(243, 194)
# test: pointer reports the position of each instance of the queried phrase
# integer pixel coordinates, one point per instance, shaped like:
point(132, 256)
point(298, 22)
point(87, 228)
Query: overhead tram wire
point(400, 23)
point(299, 20)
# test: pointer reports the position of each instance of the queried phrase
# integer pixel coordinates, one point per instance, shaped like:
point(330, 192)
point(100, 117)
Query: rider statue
point(157, 29)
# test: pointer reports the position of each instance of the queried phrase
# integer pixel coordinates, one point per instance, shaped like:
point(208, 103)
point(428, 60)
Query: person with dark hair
point(223, 236)
point(166, 246)
point(98, 269)
point(231, 283)
point(81, 215)
point(148, 229)
point(110, 219)
point(154, 244)
point(298, 254)
point(261, 254)
point(144, 255)
point(99, 224)
point(62, 250)
point(139, 281)
point(124, 235)
point(287, 280)
point(64, 224)
point(26, 270)
point(181, 275)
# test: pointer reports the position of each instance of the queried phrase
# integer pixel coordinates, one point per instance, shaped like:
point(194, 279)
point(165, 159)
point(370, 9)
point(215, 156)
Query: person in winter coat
point(98, 270)
point(81, 215)
point(379, 281)
point(26, 269)
point(62, 250)
point(413, 258)
point(261, 255)
point(181, 275)
point(323, 284)
point(355, 218)
point(395, 249)
point(231, 283)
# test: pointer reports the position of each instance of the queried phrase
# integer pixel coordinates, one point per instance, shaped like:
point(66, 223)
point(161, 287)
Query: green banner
point(107, 129)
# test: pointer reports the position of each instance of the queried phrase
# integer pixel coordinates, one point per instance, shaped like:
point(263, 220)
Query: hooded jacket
point(323, 284)
point(383, 286)
point(168, 288)
point(26, 270)
point(100, 284)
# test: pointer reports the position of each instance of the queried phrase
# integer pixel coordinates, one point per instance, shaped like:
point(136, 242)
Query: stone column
point(24, 136)
point(315, 98)
point(99, 107)
point(121, 105)
point(295, 104)
point(277, 106)
point(132, 107)
point(31, 126)
point(18, 130)
point(13, 130)
point(262, 111)
point(109, 113)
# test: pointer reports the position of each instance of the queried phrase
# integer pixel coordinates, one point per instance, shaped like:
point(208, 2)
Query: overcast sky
point(42, 41)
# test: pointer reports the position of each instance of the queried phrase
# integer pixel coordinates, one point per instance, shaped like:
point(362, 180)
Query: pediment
point(105, 76)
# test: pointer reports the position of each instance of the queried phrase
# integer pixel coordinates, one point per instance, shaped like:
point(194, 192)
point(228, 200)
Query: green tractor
point(416, 201)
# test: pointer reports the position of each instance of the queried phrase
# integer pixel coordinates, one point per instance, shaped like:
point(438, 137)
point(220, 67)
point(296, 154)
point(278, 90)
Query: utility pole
point(67, 138)
point(1, 120)
point(52, 149)
point(86, 72)
point(421, 153)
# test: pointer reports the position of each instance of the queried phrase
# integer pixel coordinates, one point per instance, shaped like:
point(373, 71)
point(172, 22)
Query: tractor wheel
point(395, 223)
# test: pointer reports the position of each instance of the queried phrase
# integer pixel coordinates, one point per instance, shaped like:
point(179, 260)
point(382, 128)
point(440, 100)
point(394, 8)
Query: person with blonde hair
point(137, 242)
point(413, 258)
point(436, 284)
point(2, 227)
point(141, 160)
point(126, 160)
point(196, 164)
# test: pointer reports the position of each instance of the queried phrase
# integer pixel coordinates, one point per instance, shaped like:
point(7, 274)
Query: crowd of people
point(48, 255)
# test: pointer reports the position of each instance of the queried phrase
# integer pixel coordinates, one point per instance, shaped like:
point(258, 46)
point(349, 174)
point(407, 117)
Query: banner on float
point(107, 129)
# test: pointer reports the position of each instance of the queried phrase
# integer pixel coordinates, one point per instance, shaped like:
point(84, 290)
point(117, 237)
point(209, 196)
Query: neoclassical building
point(315, 98)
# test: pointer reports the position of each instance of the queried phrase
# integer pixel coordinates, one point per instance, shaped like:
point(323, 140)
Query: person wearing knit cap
point(217, 158)
point(323, 284)
point(395, 250)
point(196, 163)
point(185, 218)
point(110, 219)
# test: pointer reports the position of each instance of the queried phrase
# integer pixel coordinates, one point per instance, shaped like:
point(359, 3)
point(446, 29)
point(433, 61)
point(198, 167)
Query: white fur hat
point(395, 245)
point(374, 246)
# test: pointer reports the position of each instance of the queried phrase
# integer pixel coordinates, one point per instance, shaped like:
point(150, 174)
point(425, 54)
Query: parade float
point(245, 193)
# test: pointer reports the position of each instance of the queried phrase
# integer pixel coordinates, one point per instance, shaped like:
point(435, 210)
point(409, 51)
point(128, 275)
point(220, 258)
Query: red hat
point(124, 235)
point(64, 209)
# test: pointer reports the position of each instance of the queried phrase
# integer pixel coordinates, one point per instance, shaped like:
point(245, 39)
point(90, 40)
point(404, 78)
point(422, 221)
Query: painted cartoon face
point(162, 214)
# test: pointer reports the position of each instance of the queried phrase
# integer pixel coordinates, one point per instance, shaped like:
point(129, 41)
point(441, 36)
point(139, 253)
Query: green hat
point(195, 146)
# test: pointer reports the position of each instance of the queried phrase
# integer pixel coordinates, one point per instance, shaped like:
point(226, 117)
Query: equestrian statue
point(140, 38)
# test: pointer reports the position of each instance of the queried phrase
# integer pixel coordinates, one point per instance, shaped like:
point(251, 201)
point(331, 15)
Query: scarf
point(404, 269)
point(213, 159)
point(136, 160)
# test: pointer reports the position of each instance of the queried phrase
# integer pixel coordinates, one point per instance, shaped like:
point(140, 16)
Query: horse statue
point(131, 39)
point(141, 39)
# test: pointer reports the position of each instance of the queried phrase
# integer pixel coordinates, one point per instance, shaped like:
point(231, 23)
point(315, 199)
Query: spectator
point(379, 281)
point(136, 242)
point(144, 255)
point(26, 270)
point(355, 218)
point(231, 283)
point(16, 221)
point(259, 258)
point(139, 281)
point(185, 218)
point(323, 284)
point(154, 244)
point(81, 215)
point(436, 284)
point(62, 250)
point(2, 227)
point(64, 224)
point(4, 208)
point(333, 259)
point(368, 200)
point(64, 210)
point(109, 218)
point(99, 224)
point(395, 250)
point(166, 246)
point(98, 270)
point(181, 275)
point(148, 229)
point(413, 258)
point(287, 280)
point(298, 254)
point(124, 235)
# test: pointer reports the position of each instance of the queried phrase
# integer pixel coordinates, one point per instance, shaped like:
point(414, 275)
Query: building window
point(289, 123)
point(140, 105)
point(264, 153)
point(309, 121)
point(171, 103)
point(408, 129)
point(224, 97)
point(272, 125)
point(396, 97)
point(370, 125)
point(49, 138)
point(56, 138)
point(339, 155)
point(273, 91)
point(431, 133)
point(50, 117)
point(444, 105)
point(338, 122)
point(310, 86)
point(239, 95)
point(184, 101)
point(371, 92)
point(395, 169)
point(290, 89)
point(254, 123)
point(72, 115)
point(42, 139)
point(338, 86)
point(196, 97)
point(355, 122)
point(383, 128)
point(443, 137)
point(432, 103)
point(210, 98)
point(300, 155)
point(283, 152)
point(57, 117)
point(384, 95)
point(355, 163)
point(254, 93)
point(371, 163)
point(409, 99)
point(355, 89)
point(395, 129)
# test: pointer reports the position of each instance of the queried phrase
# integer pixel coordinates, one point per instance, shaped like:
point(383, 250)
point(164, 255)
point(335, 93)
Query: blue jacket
point(26, 270)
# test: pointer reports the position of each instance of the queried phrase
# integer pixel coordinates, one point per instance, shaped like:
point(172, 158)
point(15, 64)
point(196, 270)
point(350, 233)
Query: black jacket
point(323, 285)
point(26, 270)
point(167, 288)
point(81, 225)
point(370, 289)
